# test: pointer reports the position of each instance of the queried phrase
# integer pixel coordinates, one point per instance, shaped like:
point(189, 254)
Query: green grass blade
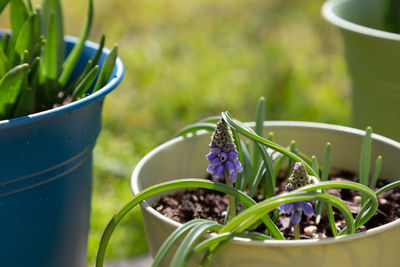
point(3, 4)
point(377, 170)
point(10, 87)
point(324, 177)
point(18, 15)
point(73, 57)
point(3, 63)
point(293, 149)
point(172, 239)
point(53, 30)
point(28, 36)
point(97, 55)
point(26, 102)
point(82, 88)
point(107, 68)
point(51, 50)
point(196, 127)
point(259, 129)
point(314, 164)
point(183, 251)
point(256, 182)
point(211, 119)
point(269, 177)
point(365, 160)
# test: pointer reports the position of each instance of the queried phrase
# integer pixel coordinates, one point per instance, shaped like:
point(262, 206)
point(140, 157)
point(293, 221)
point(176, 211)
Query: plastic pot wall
point(185, 158)
point(46, 178)
point(373, 60)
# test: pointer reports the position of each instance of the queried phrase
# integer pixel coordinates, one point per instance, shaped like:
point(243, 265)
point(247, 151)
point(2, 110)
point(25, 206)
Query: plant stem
point(231, 208)
point(296, 231)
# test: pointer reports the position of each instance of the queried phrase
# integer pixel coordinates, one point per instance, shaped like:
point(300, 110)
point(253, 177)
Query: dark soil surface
point(207, 204)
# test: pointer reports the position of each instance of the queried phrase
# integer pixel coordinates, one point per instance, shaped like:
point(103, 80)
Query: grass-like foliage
point(35, 74)
point(268, 156)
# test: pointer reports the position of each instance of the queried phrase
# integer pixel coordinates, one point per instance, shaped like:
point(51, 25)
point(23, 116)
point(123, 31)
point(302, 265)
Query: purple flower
point(296, 209)
point(223, 156)
point(298, 178)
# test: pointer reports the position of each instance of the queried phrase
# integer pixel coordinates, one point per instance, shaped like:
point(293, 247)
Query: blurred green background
point(186, 60)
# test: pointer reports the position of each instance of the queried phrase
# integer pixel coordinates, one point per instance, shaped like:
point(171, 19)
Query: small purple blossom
point(223, 156)
point(296, 209)
point(298, 178)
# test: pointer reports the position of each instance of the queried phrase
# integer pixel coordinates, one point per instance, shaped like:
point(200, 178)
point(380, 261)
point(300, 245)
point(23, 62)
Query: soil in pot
point(184, 206)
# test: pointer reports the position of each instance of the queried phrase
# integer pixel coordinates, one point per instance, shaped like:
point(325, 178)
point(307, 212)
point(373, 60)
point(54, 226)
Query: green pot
point(373, 59)
point(185, 158)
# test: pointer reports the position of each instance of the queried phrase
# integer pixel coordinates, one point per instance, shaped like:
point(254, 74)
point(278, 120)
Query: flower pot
point(373, 60)
point(185, 158)
point(46, 177)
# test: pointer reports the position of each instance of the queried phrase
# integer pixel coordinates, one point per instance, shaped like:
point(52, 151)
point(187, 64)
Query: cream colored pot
point(185, 157)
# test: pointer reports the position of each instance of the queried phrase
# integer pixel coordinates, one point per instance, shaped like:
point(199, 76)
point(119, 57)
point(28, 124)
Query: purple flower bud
point(223, 156)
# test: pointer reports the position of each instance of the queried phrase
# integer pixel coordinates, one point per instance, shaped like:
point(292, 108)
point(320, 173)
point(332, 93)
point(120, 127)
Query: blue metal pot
point(46, 178)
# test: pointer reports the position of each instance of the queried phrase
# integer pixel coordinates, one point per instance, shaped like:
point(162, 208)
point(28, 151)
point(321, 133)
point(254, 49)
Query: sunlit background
point(186, 60)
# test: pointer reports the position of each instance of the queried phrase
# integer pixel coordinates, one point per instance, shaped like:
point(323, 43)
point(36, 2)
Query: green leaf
point(85, 84)
point(3, 63)
point(182, 253)
point(4, 41)
point(18, 15)
point(260, 118)
point(73, 57)
point(173, 238)
point(365, 160)
point(377, 170)
point(10, 87)
point(51, 50)
point(28, 36)
point(196, 127)
point(26, 102)
point(106, 69)
point(53, 30)
point(3, 4)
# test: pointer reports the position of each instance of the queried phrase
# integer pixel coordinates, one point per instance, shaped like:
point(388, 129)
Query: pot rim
point(332, 17)
point(274, 243)
point(102, 92)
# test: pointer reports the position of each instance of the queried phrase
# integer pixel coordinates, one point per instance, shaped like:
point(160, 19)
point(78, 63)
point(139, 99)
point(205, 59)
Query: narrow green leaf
point(3, 4)
point(73, 57)
point(3, 63)
point(85, 84)
point(96, 56)
point(314, 163)
point(172, 239)
point(10, 87)
point(324, 177)
point(18, 15)
point(182, 253)
point(377, 170)
point(196, 127)
point(26, 102)
point(211, 119)
point(259, 129)
point(28, 36)
point(293, 149)
point(256, 182)
point(53, 28)
point(365, 160)
point(4, 40)
point(51, 50)
point(107, 68)
point(269, 177)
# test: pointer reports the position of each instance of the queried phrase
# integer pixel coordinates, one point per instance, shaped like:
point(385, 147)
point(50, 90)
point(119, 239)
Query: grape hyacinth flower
point(299, 178)
point(223, 156)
